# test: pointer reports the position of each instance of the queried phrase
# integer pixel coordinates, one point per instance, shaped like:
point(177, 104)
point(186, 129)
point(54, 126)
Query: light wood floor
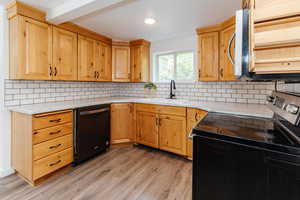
point(123, 173)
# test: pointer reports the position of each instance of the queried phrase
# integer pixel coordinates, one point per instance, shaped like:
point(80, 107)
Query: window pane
point(185, 66)
point(165, 67)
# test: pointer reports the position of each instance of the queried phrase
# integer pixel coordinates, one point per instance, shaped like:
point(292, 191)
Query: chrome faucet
point(172, 89)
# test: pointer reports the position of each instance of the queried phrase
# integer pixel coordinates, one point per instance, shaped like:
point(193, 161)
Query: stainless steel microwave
point(242, 53)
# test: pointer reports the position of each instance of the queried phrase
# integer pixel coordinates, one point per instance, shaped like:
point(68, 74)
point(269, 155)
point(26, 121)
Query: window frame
point(175, 54)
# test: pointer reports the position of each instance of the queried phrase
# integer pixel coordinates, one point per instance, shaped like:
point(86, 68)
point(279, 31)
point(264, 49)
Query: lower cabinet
point(147, 129)
point(162, 127)
point(193, 117)
point(121, 123)
point(41, 144)
point(171, 134)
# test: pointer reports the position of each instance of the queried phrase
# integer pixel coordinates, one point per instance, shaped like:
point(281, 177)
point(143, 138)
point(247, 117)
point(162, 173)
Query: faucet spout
point(172, 89)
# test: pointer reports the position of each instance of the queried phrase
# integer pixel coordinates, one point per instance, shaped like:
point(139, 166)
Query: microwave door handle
point(239, 44)
point(229, 48)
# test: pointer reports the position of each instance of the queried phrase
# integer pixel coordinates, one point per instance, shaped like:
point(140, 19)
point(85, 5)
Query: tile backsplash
point(32, 92)
point(233, 92)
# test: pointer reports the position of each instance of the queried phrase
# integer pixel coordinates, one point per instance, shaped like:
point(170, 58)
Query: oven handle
point(91, 112)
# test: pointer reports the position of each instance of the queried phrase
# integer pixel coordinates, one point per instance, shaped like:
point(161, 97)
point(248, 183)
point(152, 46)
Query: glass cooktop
point(250, 128)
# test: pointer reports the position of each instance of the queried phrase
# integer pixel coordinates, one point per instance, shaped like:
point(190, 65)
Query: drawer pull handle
point(54, 147)
point(53, 133)
point(55, 120)
point(52, 164)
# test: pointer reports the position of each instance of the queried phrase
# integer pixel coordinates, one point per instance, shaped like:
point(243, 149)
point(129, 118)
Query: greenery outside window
point(179, 66)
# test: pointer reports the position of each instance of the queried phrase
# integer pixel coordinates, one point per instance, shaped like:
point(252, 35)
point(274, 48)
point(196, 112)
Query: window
point(177, 66)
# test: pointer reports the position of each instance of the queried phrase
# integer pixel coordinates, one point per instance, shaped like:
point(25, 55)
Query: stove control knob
point(293, 109)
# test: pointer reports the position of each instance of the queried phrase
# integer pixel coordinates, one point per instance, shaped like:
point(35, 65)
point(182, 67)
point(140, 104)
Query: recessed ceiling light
point(150, 21)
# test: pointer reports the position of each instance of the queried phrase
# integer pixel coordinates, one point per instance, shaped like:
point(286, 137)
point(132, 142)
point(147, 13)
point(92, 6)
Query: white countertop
point(255, 110)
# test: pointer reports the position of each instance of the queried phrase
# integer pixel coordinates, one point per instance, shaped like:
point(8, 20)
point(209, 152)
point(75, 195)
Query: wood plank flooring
point(123, 173)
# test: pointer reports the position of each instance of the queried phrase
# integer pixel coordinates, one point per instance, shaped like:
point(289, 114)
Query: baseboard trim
point(6, 172)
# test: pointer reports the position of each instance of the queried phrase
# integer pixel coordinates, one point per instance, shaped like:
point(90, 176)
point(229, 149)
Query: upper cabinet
point(94, 60)
point(86, 59)
point(140, 60)
point(275, 28)
point(265, 10)
point(30, 49)
point(42, 51)
point(215, 46)
point(208, 54)
point(121, 62)
point(64, 54)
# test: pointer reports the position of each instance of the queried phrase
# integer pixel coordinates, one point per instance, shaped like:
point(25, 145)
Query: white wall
point(184, 43)
point(5, 132)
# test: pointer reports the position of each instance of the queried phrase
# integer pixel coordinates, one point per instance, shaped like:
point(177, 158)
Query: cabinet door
point(283, 179)
point(274, 9)
point(194, 116)
point(121, 122)
point(86, 59)
point(121, 64)
point(172, 134)
point(35, 47)
point(208, 56)
point(135, 54)
point(147, 129)
point(226, 67)
point(64, 54)
point(103, 61)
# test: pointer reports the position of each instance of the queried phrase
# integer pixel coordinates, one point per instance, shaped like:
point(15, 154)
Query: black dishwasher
point(92, 132)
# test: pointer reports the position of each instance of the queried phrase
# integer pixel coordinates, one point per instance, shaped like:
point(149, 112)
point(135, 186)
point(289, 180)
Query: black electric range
point(249, 158)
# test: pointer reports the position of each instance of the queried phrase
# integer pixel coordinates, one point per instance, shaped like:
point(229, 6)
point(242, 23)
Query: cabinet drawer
point(52, 146)
point(51, 163)
point(172, 110)
point(147, 108)
point(51, 119)
point(278, 34)
point(43, 135)
point(274, 9)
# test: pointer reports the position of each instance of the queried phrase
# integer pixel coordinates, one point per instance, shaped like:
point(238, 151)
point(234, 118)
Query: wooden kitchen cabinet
point(30, 49)
point(226, 69)
point(103, 59)
point(162, 127)
point(265, 10)
point(86, 59)
point(121, 62)
point(121, 123)
point(41, 144)
point(171, 134)
point(209, 56)
point(213, 45)
point(275, 28)
point(147, 128)
point(64, 54)
point(194, 116)
point(140, 60)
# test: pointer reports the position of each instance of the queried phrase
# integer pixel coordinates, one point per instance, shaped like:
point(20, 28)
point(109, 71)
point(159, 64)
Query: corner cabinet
point(30, 49)
point(214, 43)
point(121, 123)
point(121, 62)
point(140, 60)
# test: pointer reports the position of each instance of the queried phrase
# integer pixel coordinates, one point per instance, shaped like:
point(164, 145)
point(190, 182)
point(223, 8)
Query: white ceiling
point(125, 21)
point(174, 18)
